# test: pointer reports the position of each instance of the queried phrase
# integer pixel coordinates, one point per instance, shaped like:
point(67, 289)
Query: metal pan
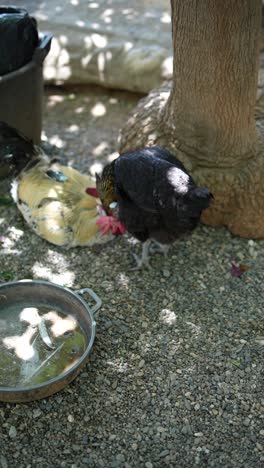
point(33, 293)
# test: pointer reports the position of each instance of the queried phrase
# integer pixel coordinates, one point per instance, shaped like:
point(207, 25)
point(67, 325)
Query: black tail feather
point(15, 151)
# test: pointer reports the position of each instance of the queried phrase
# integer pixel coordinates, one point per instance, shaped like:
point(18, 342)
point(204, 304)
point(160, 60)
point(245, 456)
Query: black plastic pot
point(18, 38)
point(21, 94)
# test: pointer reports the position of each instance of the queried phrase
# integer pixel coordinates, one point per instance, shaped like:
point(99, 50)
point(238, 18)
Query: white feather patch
point(178, 179)
point(14, 190)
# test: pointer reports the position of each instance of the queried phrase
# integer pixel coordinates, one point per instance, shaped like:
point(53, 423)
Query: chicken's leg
point(143, 261)
point(158, 247)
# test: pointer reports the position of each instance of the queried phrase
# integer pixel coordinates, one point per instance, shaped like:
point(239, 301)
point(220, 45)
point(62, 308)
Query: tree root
point(237, 186)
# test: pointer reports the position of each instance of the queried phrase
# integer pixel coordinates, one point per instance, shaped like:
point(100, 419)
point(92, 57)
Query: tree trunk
point(207, 116)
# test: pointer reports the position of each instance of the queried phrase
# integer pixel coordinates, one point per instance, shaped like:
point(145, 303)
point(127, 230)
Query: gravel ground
point(176, 373)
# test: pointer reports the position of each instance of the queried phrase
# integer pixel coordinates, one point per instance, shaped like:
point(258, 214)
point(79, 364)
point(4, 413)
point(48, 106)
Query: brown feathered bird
point(55, 200)
point(153, 196)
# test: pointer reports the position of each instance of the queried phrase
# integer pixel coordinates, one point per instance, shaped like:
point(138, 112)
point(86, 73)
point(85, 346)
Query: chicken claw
point(143, 261)
point(157, 247)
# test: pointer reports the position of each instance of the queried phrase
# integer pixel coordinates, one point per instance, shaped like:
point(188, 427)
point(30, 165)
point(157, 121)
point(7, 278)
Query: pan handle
point(98, 301)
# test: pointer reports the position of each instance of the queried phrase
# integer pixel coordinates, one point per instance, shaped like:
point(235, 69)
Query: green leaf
point(7, 275)
point(235, 362)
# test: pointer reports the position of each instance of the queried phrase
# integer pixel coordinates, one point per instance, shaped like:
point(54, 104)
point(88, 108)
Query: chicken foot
point(142, 261)
point(158, 247)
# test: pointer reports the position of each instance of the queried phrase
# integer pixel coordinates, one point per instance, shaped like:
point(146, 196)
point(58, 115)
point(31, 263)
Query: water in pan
point(37, 344)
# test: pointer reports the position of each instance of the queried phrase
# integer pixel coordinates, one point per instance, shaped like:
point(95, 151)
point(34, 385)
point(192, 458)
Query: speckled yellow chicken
point(57, 201)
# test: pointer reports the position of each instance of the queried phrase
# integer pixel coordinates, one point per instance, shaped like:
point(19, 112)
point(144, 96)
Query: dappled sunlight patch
point(108, 12)
point(127, 46)
point(8, 246)
point(14, 233)
point(58, 9)
point(130, 13)
point(167, 316)
point(167, 68)
point(99, 40)
point(93, 5)
point(99, 149)
point(73, 128)
point(65, 278)
point(22, 345)
point(108, 55)
point(112, 156)
point(148, 105)
point(57, 259)
point(178, 179)
point(96, 168)
point(57, 141)
point(98, 110)
point(113, 101)
point(118, 365)
point(101, 65)
point(123, 281)
point(165, 17)
point(88, 42)
point(54, 99)
point(86, 60)
point(41, 15)
point(132, 240)
point(63, 39)
point(80, 23)
point(79, 110)
point(57, 63)
point(106, 15)
point(10, 241)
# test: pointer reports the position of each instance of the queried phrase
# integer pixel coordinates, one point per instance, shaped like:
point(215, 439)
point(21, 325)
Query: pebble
point(246, 422)
point(161, 429)
point(166, 273)
point(186, 429)
point(3, 461)
point(12, 432)
point(164, 453)
point(70, 418)
point(37, 413)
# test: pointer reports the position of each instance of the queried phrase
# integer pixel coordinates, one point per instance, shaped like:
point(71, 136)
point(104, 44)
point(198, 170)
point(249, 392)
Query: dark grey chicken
point(153, 195)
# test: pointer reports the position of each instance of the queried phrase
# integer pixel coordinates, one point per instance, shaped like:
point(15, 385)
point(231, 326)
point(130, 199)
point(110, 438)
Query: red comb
point(92, 191)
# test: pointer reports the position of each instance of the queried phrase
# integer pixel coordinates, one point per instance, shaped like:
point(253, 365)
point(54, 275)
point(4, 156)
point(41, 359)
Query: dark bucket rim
point(38, 58)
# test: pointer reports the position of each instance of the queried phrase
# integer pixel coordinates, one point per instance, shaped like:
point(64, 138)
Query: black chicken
point(153, 195)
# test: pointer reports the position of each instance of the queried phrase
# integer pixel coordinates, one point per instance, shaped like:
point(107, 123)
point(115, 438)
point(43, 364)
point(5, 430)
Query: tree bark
point(206, 116)
point(213, 97)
